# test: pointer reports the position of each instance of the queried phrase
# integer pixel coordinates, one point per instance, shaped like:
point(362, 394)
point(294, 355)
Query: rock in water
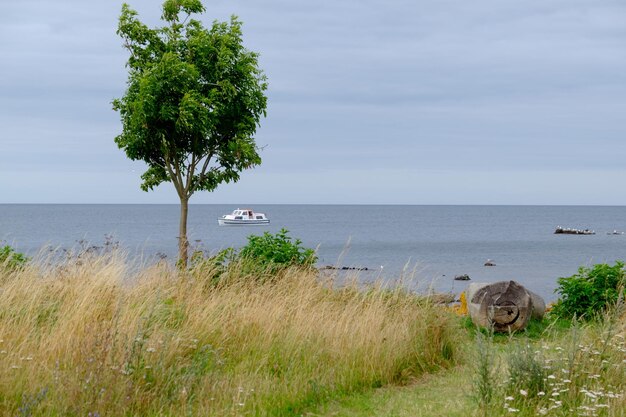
point(505, 305)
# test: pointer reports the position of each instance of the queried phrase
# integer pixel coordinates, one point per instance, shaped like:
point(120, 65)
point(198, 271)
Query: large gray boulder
point(505, 305)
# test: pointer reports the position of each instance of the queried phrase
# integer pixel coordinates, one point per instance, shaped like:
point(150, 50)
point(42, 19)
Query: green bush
point(272, 252)
point(11, 259)
point(590, 292)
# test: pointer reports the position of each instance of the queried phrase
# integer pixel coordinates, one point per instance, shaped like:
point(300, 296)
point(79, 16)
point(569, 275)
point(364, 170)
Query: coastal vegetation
point(92, 333)
point(11, 259)
point(591, 292)
point(194, 100)
point(96, 335)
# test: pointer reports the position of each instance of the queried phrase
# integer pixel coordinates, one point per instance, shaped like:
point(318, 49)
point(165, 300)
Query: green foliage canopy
point(194, 99)
point(193, 102)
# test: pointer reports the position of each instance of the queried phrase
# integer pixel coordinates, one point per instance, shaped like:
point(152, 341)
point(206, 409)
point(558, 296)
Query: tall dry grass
point(95, 336)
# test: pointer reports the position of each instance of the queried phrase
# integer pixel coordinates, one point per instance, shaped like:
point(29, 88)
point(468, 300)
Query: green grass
point(446, 393)
point(535, 330)
point(94, 335)
point(555, 368)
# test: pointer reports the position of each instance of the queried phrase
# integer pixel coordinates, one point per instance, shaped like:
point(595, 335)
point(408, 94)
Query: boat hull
point(244, 222)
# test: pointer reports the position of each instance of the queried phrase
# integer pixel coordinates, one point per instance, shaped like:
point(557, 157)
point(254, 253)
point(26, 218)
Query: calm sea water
point(431, 243)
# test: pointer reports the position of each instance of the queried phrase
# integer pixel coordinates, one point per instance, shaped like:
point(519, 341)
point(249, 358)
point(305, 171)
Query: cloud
point(355, 86)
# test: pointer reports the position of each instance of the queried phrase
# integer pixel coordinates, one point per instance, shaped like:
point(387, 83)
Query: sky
point(369, 102)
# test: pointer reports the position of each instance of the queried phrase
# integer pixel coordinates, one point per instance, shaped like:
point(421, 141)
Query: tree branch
point(177, 184)
point(209, 155)
point(190, 170)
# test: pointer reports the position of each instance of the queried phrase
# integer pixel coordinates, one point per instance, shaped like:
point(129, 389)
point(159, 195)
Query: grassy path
point(442, 394)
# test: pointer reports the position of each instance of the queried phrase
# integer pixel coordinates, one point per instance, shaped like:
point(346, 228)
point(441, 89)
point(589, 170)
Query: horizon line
point(321, 204)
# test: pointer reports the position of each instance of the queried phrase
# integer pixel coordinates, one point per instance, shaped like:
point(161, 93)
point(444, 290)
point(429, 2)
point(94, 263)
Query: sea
point(422, 246)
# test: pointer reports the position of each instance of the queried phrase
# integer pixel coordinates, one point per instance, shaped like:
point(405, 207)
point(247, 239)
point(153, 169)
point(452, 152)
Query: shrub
point(11, 259)
point(590, 292)
point(272, 252)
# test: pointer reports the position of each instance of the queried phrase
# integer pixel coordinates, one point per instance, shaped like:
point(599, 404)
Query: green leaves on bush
point(590, 292)
point(11, 259)
point(277, 251)
point(262, 257)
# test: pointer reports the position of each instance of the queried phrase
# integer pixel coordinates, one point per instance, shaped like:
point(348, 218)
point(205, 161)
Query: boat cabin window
point(259, 217)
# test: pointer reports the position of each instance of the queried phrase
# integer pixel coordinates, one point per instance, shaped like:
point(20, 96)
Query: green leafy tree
point(194, 99)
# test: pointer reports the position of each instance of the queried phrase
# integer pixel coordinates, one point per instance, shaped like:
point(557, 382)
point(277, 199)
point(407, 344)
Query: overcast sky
point(370, 102)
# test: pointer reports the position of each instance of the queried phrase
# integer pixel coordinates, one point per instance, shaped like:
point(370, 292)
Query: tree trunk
point(183, 243)
point(506, 305)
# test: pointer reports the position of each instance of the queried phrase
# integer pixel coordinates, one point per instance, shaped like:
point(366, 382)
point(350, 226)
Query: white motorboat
point(243, 217)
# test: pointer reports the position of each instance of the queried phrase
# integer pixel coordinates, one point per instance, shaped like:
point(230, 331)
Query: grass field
point(552, 370)
point(97, 336)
